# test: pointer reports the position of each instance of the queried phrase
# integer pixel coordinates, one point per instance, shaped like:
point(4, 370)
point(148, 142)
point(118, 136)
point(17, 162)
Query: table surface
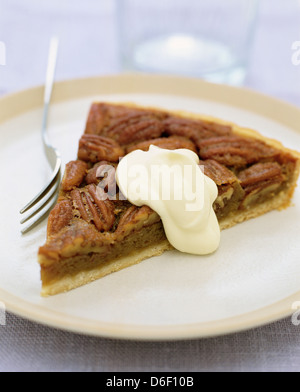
point(90, 47)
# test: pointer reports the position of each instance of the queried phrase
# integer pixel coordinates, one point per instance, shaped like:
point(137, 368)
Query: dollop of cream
point(173, 184)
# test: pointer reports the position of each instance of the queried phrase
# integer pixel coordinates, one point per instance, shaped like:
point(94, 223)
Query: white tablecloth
point(89, 47)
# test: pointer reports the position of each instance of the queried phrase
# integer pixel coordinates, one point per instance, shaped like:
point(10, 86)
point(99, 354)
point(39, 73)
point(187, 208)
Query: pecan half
point(260, 181)
point(60, 217)
point(195, 130)
point(103, 174)
point(218, 173)
point(234, 151)
point(94, 148)
point(92, 176)
point(260, 174)
point(230, 192)
point(98, 118)
point(135, 216)
point(170, 143)
point(135, 127)
point(92, 209)
point(74, 175)
point(103, 117)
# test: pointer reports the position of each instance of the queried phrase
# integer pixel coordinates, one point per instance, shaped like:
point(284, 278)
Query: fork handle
point(52, 62)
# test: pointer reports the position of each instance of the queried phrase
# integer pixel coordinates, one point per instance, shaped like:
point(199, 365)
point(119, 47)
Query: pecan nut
point(74, 175)
point(94, 148)
point(218, 173)
point(60, 217)
point(92, 209)
point(97, 120)
point(135, 128)
point(103, 117)
point(260, 174)
point(230, 192)
point(103, 174)
point(260, 180)
point(195, 130)
point(234, 151)
point(135, 217)
point(170, 143)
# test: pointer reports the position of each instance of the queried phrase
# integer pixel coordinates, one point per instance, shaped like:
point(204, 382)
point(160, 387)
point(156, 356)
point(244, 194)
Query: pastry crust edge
point(82, 278)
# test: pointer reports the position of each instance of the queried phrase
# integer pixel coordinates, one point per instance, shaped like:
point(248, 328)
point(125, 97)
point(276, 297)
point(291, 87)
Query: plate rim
point(248, 321)
point(247, 99)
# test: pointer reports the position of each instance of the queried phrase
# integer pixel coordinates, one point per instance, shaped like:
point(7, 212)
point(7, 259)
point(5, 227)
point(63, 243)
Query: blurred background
point(245, 42)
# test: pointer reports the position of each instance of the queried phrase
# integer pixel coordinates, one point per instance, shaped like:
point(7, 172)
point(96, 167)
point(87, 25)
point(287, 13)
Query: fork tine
point(41, 215)
point(44, 191)
point(53, 156)
point(50, 195)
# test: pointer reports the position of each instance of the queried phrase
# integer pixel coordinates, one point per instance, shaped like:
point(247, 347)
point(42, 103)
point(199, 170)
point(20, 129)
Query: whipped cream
point(173, 184)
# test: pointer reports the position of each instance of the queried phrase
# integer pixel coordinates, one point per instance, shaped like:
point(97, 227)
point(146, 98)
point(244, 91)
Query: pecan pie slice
point(90, 237)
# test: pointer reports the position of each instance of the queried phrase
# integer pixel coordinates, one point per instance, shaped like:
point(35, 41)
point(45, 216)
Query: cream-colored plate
point(252, 280)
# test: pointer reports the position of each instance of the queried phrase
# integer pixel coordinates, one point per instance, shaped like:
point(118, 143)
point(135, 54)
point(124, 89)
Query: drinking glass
point(209, 39)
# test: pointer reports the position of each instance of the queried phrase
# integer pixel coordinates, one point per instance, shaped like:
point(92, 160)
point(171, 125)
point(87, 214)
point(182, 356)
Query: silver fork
point(45, 200)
